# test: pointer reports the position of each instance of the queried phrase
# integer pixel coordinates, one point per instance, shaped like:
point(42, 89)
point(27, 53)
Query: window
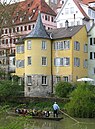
point(72, 10)
point(66, 44)
point(6, 31)
point(44, 80)
point(25, 28)
point(20, 49)
point(85, 63)
point(78, 22)
point(29, 80)
point(66, 11)
point(66, 61)
point(17, 29)
point(58, 61)
point(44, 61)
point(93, 71)
point(21, 28)
point(76, 46)
point(85, 48)
point(72, 23)
point(29, 27)
point(62, 45)
point(58, 79)
point(52, 19)
point(62, 61)
point(13, 30)
point(92, 41)
point(65, 78)
point(46, 17)
point(20, 63)
point(92, 55)
point(43, 44)
point(29, 44)
point(29, 60)
point(76, 62)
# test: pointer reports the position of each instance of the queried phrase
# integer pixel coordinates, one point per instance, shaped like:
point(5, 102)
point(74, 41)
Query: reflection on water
point(65, 123)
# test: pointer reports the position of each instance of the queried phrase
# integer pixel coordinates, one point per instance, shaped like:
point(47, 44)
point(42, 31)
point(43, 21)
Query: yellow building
point(44, 58)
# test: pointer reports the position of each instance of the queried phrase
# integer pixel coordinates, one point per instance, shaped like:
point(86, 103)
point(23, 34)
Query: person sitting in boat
point(24, 111)
point(47, 114)
point(34, 112)
point(55, 109)
point(19, 111)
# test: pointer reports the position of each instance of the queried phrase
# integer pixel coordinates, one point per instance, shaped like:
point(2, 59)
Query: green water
point(11, 122)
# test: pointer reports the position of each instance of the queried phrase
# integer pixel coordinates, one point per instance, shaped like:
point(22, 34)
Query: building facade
point(20, 20)
point(91, 53)
point(49, 56)
point(77, 13)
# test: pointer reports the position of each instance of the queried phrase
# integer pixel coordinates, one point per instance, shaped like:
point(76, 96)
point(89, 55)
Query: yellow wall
point(36, 53)
point(81, 37)
point(62, 70)
point(20, 71)
point(72, 71)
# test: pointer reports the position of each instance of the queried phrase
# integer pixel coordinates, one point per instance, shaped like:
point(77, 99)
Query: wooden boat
point(48, 118)
point(36, 117)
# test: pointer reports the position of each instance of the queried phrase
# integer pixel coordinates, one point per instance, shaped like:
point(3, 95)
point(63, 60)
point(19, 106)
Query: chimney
point(66, 24)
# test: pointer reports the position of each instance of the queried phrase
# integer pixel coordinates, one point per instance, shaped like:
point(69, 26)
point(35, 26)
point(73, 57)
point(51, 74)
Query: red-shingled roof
point(88, 1)
point(78, 2)
point(28, 8)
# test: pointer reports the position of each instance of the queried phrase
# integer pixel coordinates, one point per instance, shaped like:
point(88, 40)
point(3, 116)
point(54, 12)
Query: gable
point(74, 7)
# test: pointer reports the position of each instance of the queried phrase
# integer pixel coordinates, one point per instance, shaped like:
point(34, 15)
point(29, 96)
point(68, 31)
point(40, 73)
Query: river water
point(11, 122)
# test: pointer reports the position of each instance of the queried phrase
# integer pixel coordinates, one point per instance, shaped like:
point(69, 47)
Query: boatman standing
point(55, 109)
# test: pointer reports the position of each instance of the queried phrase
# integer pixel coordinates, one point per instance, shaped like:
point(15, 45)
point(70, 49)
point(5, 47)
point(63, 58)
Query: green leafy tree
point(82, 102)
point(63, 89)
point(10, 89)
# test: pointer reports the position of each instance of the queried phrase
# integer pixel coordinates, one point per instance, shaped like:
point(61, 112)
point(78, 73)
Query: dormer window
point(29, 18)
point(33, 10)
point(13, 21)
point(29, 5)
point(20, 19)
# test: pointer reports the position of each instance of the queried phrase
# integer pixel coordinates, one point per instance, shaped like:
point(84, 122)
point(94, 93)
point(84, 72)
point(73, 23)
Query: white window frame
point(85, 63)
point(76, 61)
point(29, 80)
point(44, 80)
point(44, 46)
point(29, 44)
point(93, 71)
point(66, 10)
point(20, 63)
point(76, 46)
point(92, 41)
point(20, 49)
point(65, 61)
point(62, 45)
point(44, 61)
point(58, 79)
point(65, 78)
point(92, 56)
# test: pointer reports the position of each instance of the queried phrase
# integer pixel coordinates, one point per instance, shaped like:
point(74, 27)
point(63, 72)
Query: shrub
point(82, 102)
point(63, 89)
